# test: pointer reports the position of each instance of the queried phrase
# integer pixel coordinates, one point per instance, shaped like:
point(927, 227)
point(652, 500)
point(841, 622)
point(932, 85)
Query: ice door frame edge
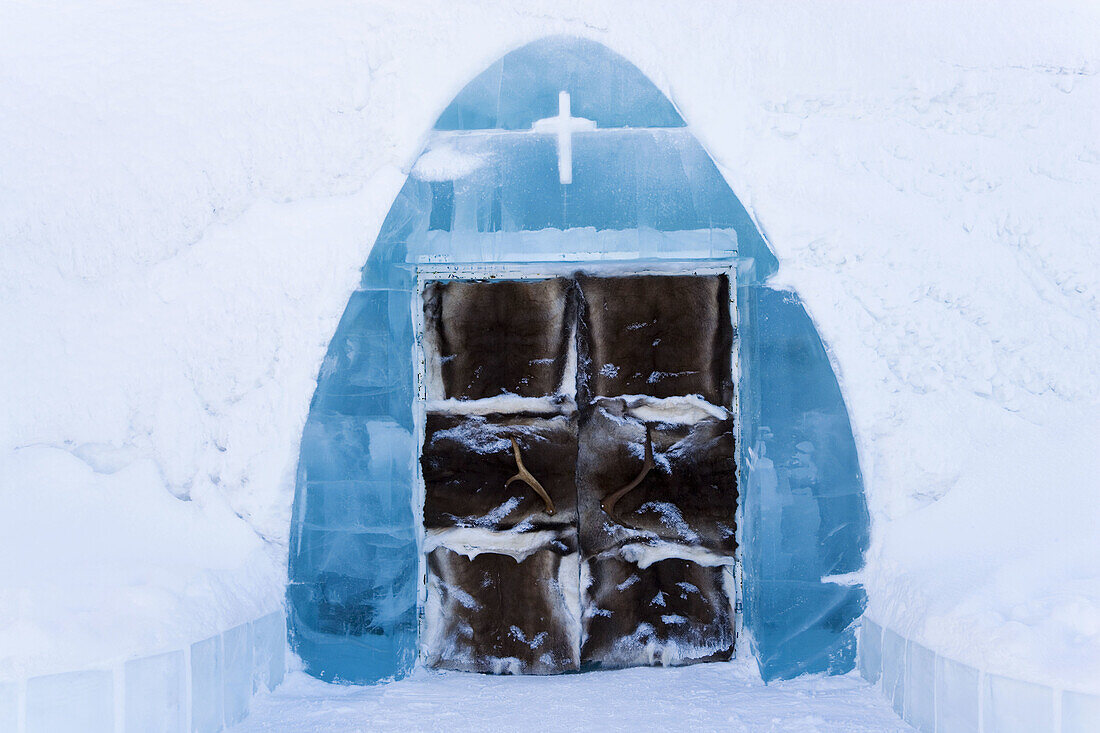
point(427, 272)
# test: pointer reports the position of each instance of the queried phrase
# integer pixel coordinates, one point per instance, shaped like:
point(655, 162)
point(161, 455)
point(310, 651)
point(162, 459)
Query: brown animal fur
point(657, 335)
point(503, 610)
point(654, 335)
point(689, 497)
point(673, 605)
point(498, 337)
point(467, 460)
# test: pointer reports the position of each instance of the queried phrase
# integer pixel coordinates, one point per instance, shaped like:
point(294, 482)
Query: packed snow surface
point(726, 696)
point(188, 191)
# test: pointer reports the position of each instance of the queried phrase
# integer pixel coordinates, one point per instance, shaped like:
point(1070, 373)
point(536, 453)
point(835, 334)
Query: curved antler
point(525, 476)
point(608, 504)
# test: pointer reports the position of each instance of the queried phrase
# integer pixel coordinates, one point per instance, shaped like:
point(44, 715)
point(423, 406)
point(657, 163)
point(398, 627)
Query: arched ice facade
point(563, 155)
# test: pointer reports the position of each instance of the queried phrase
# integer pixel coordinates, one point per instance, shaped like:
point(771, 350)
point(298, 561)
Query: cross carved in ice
point(564, 125)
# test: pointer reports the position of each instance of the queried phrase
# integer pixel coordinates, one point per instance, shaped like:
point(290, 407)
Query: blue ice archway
point(490, 188)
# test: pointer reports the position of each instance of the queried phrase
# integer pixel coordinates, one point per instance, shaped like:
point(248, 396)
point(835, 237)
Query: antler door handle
point(608, 504)
point(525, 476)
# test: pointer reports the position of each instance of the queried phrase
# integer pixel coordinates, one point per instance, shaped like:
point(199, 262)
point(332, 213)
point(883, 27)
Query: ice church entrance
point(562, 240)
point(579, 472)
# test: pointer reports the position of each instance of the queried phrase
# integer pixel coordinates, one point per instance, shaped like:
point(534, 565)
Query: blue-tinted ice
point(643, 190)
point(804, 515)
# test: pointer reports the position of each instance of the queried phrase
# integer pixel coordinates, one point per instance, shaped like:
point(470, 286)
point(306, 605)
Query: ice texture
point(1080, 712)
point(1016, 706)
point(206, 685)
point(9, 705)
point(268, 651)
point(805, 513)
point(73, 702)
point(956, 696)
point(602, 87)
point(643, 191)
point(155, 693)
point(920, 688)
point(353, 557)
point(870, 650)
point(236, 672)
point(893, 669)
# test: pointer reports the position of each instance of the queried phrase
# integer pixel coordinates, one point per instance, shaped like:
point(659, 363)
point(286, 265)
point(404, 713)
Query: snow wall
point(193, 190)
point(487, 190)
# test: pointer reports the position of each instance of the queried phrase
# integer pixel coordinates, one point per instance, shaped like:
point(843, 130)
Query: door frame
point(487, 271)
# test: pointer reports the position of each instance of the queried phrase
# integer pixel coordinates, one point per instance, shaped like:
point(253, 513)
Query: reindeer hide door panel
point(499, 460)
point(656, 477)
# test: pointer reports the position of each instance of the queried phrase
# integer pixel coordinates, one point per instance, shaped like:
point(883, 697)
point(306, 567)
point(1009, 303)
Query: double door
point(579, 471)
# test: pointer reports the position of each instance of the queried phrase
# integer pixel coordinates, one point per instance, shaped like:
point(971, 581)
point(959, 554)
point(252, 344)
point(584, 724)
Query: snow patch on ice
point(446, 163)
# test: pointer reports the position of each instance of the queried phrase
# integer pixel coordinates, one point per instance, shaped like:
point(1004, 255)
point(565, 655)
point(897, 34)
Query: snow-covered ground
point(726, 696)
point(187, 191)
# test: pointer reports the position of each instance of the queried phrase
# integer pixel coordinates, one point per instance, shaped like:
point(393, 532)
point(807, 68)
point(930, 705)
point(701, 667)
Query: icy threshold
point(718, 696)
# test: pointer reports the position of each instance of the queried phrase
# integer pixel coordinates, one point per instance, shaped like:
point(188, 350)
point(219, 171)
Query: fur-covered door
point(579, 471)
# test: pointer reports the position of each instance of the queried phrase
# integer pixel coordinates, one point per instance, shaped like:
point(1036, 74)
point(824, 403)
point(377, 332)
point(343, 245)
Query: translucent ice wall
point(487, 190)
point(804, 515)
point(353, 556)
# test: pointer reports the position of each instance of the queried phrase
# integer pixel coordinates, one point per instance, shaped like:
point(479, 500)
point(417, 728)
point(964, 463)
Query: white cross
point(564, 125)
